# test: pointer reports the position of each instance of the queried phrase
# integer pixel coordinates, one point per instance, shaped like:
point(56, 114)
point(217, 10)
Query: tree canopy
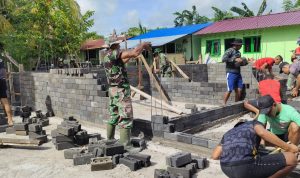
point(44, 29)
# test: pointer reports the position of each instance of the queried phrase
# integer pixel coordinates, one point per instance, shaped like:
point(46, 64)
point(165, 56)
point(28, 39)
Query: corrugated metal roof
point(258, 22)
point(185, 30)
point(92, 44)
point(159, 41)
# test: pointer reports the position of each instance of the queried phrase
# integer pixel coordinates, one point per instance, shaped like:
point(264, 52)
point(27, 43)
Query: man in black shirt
point(3, 95)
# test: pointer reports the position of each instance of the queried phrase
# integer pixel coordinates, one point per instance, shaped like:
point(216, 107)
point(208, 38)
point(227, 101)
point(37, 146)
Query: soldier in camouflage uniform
point(165, 66)
point(120, 106)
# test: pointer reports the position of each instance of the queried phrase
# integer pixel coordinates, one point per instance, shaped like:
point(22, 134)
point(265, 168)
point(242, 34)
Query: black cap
point(264, 104)
point(237, 41)
point(281, 65)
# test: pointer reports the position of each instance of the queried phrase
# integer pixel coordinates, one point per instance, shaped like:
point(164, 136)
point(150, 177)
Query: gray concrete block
point(10, 130)
point(192, 167)
point(82, 158)
point(113, 149)
point(185, 138)
point(200, 141)
point(3, 128)
point(170, 136)
point(159, 119)
point(169, 128)
point(101, 163)
point(190, 106)
point(34, 127)
point(201, 163)
point(142, 157)
point(64, 145)
point(21, 126)
point(131, 163)
point(22, 132)
point(68, 131)
point(69, 153)
point(161, 173)
point(212, 144)
point(179, 159)
point(185, 172)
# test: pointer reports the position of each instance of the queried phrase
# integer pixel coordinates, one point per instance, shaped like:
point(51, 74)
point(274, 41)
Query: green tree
point(246, 12)
point(135, 31)
point(220, 15)
point(187, 17)
point(46, 29)
point(289, 5)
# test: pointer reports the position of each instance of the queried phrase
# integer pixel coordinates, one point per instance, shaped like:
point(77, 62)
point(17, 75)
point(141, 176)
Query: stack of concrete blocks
point(3, 123)
point(142, 127)
point(40, 118)
point(70, 95)
point(106, 154)
point(36, 132)
point(181, 165)
point(68, 134)
point(191, 107)
point(180, 129)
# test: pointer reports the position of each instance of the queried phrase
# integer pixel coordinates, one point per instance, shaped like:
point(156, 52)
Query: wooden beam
point(179, 70)
point(19, 142)
point(169, 107)
point(12, 60)
point(155, 79)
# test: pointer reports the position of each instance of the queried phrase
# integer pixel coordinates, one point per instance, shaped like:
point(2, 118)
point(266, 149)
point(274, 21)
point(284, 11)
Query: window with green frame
point(213, 47)
point(252, 44)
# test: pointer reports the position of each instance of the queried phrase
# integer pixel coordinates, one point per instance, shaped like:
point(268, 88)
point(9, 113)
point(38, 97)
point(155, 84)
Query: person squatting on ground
point(120, 105)
point(284, 120)
point(239, 157)
point(269, 86)
point(262, 66)
point(293, 72)
point(3, 95)
point(162, 66)
point(234, 61)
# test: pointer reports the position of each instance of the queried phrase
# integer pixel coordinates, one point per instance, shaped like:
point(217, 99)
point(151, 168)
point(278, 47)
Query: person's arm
point(251, 108)
point(228, 57)
point(127, 55)
point(271, 138)
point(216, 154)
point(297, 86)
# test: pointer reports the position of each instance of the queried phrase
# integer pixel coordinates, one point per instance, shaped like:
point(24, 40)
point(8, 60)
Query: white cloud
point(131, 18)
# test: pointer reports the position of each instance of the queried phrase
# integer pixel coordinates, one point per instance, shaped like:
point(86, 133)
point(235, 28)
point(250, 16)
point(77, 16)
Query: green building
point(263, 36)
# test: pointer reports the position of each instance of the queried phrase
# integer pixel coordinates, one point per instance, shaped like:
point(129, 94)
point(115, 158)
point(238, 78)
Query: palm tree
point(246, 12)
point(179, 20)
point(187, 17)
point(221, 15)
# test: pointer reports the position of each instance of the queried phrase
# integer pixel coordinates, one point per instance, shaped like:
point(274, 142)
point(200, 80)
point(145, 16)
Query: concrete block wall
point(180, 89)
point(196, 72)
point(76, 96)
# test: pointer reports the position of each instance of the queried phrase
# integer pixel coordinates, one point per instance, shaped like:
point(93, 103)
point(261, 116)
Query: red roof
point(249, 23)
point(92, 44)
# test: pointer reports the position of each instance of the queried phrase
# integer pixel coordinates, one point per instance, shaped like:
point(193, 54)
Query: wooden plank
point(169, 107)
point(179, 70)
point(19, 141)
point(155, 79)
point(12, 60)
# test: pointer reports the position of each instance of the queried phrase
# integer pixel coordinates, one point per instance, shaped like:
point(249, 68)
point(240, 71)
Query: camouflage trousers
point(166, 71)
point(120, 106)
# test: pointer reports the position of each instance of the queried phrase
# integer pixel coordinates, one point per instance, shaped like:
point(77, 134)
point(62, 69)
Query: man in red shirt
point(297, 50)
point(269, 86)
point(264, 65)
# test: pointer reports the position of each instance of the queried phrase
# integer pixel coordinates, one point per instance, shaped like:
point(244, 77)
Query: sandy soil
point(46, 161)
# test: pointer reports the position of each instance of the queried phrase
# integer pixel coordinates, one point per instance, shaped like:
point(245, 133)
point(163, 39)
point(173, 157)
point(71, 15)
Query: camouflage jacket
point(115, 69)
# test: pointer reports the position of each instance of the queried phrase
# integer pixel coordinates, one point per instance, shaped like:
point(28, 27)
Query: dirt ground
point(45, 161)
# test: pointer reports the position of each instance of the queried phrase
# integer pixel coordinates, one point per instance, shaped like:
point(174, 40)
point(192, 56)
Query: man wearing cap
point(162, 62)
point(234, 61)
point(284, 120)
point(264, 65)
point(293, 70)
point(120, 106)
point(3, 95)
point(239, 157)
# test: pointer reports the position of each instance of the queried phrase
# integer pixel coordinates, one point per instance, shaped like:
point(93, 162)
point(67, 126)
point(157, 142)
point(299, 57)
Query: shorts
point(283, 137)
point(3, 88)
point(261, 167)
point(234, 81)
point(259, 75)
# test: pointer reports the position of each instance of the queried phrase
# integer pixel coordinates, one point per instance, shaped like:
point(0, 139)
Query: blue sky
point(122, 14)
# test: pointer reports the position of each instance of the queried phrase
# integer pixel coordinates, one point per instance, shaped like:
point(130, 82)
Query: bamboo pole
point(156, 81)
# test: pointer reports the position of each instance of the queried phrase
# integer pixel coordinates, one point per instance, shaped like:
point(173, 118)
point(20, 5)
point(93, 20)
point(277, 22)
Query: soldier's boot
point(110, 131)
point(125, 140)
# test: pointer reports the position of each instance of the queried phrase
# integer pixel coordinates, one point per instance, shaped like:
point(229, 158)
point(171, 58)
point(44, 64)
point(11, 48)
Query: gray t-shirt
point(295, 68)
point(2, 69)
